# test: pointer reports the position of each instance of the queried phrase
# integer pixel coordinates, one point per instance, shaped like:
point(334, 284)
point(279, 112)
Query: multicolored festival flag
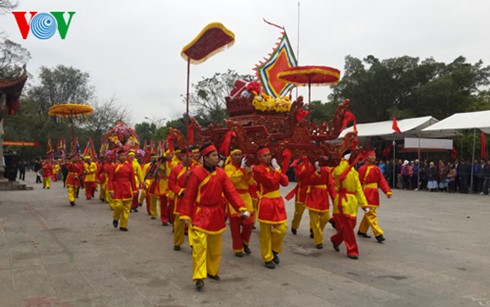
point(50, 149)
point(61, 147)
point(90, 150)
point(282, 57)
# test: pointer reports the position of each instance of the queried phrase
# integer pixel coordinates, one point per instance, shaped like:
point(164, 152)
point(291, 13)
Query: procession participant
point(100, 177)
point(160, 189)
point(320, 186)
point(75, 171)
point(203, 206)
point(138, 177)
point(150, 171)
point(348, 198)
point(108, 168)
point(177, 181)
point(89, 169)
point(241, 177)
point(196, 156)
point(122, 187)
point(300, 166)
point(56, 170)
point(47, 171)
point(272, 212)
point(167, 197)
point(371, 179)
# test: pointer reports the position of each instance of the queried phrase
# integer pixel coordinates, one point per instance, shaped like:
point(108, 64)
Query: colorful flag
point(394, 125)
point(282, 57)
point(50, 149)
point(90, 150)
point(483, 146)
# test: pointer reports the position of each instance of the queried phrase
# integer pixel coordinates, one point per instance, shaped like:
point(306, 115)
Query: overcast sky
point(131, 49)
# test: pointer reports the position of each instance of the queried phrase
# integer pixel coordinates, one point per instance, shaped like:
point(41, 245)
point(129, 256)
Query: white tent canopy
point(463, 121)
point(410, 127)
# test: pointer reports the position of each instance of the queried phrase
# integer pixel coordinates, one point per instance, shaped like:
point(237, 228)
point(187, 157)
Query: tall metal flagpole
point(187, 103)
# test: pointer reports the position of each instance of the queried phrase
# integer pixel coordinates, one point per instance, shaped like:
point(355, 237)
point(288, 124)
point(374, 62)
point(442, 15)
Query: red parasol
point(212, 39)
point(316, 75)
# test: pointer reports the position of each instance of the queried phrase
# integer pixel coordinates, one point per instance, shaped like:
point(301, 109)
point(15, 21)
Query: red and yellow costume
point(100, 178)
point(272, 212)
point(300, 168)
point(372, 179)
point(89, 170)
point(320, 186)
point(138, 178)
point(123, 185)
point(240, 228)
point(75, 171)
point(204, 206)
point(47, 170)
point(349, 197)
point(177, 182)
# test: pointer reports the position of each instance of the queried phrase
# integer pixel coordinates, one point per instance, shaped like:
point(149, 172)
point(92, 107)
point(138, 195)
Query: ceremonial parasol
point(70, 110)
point(214, 38)
point(316, 75)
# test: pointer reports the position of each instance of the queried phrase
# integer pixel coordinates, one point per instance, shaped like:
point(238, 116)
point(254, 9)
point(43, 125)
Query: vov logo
point(43, 25)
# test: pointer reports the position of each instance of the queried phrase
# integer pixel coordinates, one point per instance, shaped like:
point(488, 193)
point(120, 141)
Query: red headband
point(208, 149)
point(370, 153)
point(262, 151)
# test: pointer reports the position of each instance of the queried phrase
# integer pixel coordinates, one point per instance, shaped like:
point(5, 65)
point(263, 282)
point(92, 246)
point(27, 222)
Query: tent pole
point(418, 157)
point(394, 161)
point(472, 159)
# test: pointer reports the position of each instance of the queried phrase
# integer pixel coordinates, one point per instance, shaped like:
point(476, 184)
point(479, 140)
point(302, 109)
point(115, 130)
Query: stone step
point(13, 185)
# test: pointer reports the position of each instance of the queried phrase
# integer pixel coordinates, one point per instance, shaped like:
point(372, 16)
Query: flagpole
point(394, 161)
point(297, 43)
point(472, 159)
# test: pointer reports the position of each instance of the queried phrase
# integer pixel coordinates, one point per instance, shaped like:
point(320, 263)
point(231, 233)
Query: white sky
point(131, 49)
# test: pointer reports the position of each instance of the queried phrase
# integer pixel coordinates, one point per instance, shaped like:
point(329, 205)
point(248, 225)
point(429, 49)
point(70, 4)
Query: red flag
point(394, 126)
point(170, 141)
point(225, 146)
point(483, 146)
point(301, 114)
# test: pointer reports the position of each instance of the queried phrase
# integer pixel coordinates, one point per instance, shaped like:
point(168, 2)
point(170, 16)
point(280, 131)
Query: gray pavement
point(436, 254)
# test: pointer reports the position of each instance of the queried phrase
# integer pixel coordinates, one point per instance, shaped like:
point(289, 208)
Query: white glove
point(275, 165)
point(366, 210)
point(243, 165)
point(317, 166)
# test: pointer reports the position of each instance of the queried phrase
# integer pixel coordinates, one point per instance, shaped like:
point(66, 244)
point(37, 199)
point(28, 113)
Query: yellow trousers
point(103, 192)
point(179, 228)
point(47, 182)
point(110, 200)
point(299, 208)
point(72, 193)
point(153, 205)
point(370, 220)
point(318, 220)
point(271, 238)
point(142, 196)
point(121, 211)
point(206, 254)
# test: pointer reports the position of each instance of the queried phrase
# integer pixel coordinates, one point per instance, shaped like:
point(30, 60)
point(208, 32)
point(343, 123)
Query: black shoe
point(380, 238)
point(332, 222)
point(319, 246)
point(239, 254)
point(353, 257)
point(141, 205)
point(294, 230)
point(276, 258)
point(311, 233)
point(335, 247)
point(176, 247)
point(153, 217)
point(270, 265)
point(115, 223)
point(363, 235)
point(199, 284)
point(246, 249)
point(72, 203)
point(215, 277)
point(123, 229)
point(164, 224)
point(135, 210)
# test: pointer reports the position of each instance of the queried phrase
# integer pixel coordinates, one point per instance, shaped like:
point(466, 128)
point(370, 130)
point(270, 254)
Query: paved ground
point(436, 254)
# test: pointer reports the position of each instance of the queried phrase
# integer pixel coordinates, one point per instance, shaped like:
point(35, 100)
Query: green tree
point(322, 112)
point(404, 86)
point(61, 84)
point(208, 96)
point(13, 58)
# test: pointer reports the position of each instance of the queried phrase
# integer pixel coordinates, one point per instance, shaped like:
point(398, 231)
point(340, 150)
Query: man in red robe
point(272, 212)
point(122, 187)
point(47, 170)
point(371, 179)
point(75, 170)
point(203, 206)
